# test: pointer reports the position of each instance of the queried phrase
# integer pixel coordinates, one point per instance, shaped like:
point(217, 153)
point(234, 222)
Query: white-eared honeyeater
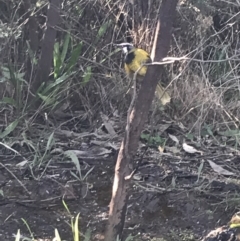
point(135, 58)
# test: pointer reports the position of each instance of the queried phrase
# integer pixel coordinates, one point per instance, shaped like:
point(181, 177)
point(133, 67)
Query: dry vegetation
point(205, 89)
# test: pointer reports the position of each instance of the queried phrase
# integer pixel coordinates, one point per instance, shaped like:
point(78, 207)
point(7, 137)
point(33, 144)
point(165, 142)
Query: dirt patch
point(168, 199)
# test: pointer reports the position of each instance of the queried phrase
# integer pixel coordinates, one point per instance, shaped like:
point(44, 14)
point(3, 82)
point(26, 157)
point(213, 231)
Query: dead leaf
point(161, 149)
point(200, 168)
point(108, 125)
point(116, 114)
point(181, 126)
point(106, 144)
point(137, 177)
point(71, 134)
point(57, 151)
point(22, 163)
point(163, 127)
point(190, 149)
point(220, 170)
point(172, 149)
point(174, 138)
point(92, 153)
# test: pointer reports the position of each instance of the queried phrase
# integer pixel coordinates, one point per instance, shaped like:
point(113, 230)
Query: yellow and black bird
point(133, 60)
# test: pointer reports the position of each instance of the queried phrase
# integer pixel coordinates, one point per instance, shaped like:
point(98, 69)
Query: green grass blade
point(200, 168)
point(87, 235)
point(65, 47)
point(66, 207)
point(10, 101)
point(61, 79)
point(29, 230)
point(12, 76)
point(87, 75)
point(41, 88)
point(18, 236)
point(76, 231)
point(47, 100)
point(50, 142)
point(57, 63)
point(74, 57)
point(9, 129)
point(49, 145)
point(129, 238)
point(5, 73)
point(57, 236)
point(102, 30)
point(57, 82)
point(75, 160)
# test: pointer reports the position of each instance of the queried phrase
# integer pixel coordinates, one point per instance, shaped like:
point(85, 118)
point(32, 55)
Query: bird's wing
point(143, 56)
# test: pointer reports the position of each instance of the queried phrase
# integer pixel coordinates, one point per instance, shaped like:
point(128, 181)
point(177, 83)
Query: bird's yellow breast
point(133, 61)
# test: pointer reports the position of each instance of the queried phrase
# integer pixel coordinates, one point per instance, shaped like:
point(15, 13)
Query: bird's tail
point(162, 94)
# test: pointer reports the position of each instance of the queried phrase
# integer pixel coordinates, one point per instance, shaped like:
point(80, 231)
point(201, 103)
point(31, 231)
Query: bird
point(133, 60)
point(229, 232)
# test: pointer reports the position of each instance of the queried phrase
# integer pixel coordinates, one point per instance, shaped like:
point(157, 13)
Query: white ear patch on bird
point(124, 44)
point(125, 47)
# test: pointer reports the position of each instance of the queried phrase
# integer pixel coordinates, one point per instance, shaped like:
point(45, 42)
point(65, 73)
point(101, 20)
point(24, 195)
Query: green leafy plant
point(102, 30)
point(63, 63)
point(74, 226)
point(190, 136)
point(220, 68)
point(233, 136)
point(152, 140)
point(17, 82)
point(207, 130)
point(70, 154)
point(230, 133)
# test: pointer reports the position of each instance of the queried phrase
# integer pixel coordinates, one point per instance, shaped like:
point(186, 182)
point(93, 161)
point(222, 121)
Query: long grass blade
point(10, 128)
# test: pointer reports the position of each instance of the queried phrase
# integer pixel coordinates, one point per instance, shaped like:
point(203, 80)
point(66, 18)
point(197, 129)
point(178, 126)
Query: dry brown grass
point(203, 92)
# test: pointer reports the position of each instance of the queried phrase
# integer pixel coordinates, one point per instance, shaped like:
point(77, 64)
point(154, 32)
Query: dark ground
point(171, 198)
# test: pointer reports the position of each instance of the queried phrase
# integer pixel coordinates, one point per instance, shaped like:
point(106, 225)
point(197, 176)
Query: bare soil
point(169, 200)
